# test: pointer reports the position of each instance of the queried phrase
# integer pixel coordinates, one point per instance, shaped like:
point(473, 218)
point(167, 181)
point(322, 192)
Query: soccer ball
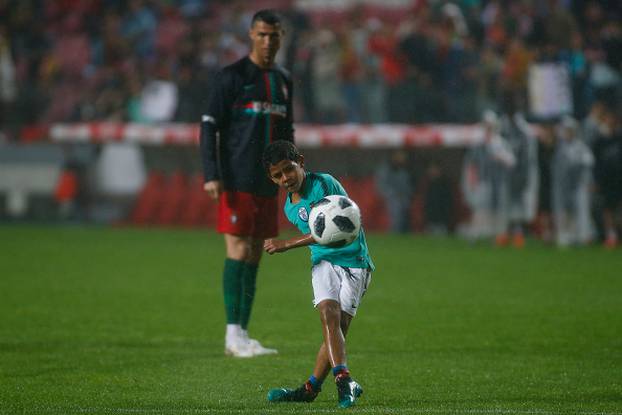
point(335, 221)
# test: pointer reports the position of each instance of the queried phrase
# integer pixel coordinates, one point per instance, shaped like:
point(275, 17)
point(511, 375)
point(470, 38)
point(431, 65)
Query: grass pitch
point(122, 321)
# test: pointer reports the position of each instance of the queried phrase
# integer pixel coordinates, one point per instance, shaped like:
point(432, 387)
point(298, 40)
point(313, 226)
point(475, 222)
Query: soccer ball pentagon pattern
point(335, 221)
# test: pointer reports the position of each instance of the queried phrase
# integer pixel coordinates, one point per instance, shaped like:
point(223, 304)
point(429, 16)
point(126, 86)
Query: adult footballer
point(250, 105)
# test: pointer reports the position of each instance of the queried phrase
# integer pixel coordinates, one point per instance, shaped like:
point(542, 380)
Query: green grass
point(125, 321)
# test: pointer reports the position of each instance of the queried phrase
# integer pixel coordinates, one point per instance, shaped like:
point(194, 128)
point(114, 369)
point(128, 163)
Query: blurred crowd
point(152, 61)
point(439, 61)
point(561, 179)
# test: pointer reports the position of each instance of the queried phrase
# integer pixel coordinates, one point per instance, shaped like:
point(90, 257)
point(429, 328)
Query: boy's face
point(288, 174)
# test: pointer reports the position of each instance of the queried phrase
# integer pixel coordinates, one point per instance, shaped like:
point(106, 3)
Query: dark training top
point(248, 107)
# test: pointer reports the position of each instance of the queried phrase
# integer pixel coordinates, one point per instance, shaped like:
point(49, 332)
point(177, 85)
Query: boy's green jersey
point(314, 188)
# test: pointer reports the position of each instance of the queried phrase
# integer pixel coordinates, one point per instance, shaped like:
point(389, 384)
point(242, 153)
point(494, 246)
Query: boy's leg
point(323, 364)
point(334, 349)
point(311, 388)
point(334, 337)
point(332, 287)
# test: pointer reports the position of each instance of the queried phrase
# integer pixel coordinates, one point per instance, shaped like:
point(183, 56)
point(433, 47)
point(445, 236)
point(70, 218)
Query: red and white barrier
point(309, 136)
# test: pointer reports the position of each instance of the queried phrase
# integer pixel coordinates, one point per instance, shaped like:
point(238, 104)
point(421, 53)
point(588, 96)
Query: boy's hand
point(281, 245)
point(272, 246)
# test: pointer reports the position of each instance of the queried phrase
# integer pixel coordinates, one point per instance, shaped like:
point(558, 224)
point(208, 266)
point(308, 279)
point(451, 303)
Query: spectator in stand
point(329, 103)
point(139, 28)
point(374, 87)
point(160, 95)
point(579, 74)
point(489, 73)
point(384, 43)
point(109, 47)
point(421, 67)
point(208, 56)
point(559, 25)
point(351, 77)
point(190, 95)
point(133, 107)
point(402, 65)
point(8, 84)
point(460, 81)
point(518, 57)
point(394, 183)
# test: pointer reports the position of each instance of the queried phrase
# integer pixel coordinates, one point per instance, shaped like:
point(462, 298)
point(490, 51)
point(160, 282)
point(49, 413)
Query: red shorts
point(244, 214)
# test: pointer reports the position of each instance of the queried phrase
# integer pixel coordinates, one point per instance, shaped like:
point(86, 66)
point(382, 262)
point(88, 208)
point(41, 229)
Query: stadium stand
point(412, 73)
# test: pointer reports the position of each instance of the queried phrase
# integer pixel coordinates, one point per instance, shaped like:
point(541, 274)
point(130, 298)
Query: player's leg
point(263, 223)
point(337, 294)
point(234, 220)
point(249, 286)
point(309, 390)
point(334, 340)
point(338, 291)
point(239, 219)
point(323, 363)
point(354, 283)
point(249, 279)
point(335, 350)
point(237, 248)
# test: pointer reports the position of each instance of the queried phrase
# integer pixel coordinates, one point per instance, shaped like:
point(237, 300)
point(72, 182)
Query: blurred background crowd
point(152, 61)
point(436, 61)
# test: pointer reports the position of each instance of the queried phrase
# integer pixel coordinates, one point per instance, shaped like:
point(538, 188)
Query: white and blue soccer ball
point(335, 221)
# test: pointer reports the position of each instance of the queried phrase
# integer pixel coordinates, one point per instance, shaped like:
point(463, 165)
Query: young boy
point(339, 275)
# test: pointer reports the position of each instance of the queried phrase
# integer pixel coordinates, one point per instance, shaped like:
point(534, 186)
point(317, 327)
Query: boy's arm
point(272, 246)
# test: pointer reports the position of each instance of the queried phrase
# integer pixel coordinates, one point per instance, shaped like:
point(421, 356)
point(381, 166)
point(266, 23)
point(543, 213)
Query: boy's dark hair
point(267, 16)
point(278, 151)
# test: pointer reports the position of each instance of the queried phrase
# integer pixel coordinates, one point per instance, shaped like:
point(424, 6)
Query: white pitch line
point(297, 409)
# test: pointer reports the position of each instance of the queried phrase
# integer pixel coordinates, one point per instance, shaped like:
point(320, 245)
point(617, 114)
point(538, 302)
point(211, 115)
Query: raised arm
point(272, 246)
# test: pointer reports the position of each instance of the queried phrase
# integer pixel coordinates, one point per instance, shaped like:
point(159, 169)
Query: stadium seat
point(171, 200)
point(197, 208)
point(170, 32)
point(363, 191)
point(148, 201)
point(73, 53)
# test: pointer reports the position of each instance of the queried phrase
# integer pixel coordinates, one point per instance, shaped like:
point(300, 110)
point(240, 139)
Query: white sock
point(233, 332)
point(243, 333)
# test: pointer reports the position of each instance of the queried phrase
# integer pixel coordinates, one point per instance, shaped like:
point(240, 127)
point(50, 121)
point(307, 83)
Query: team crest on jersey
point(234, 218)
point(302, 214)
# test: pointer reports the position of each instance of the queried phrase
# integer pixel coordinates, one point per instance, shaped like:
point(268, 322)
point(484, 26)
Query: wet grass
point(99, 320)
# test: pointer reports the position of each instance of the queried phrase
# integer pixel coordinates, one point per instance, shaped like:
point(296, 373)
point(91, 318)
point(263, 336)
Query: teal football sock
point(249, 280)
point(232, 289)
point(315, 383)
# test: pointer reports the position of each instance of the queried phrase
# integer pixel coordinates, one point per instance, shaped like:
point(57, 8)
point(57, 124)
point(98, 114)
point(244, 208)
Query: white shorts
point(342, 284)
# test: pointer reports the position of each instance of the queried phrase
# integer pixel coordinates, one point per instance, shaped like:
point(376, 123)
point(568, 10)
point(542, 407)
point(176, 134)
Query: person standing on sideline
point(523, 177)
point(571, 180)
point(395, 184)
point(485, 181)
point(249, 105)
point(339, 275)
